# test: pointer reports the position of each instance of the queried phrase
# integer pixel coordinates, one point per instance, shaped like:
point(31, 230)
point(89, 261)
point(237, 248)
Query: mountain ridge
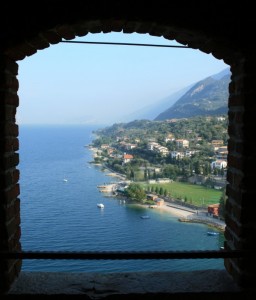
point(206, 97)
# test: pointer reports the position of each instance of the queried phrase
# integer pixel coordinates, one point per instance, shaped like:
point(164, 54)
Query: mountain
point(207, 97)
point(221, 74)
point(150, 112)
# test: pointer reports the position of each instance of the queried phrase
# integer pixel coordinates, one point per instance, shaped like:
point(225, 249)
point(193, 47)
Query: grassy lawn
point(194, 194)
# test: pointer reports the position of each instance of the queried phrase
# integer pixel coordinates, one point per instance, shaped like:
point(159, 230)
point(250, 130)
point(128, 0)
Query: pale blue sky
point(84, 83)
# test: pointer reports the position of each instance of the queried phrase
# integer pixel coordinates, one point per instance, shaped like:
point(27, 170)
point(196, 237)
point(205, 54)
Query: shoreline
point(187, 216)
point(183, 214)
point(192, 217)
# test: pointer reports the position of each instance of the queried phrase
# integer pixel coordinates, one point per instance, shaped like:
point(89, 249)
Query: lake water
point(59, 215)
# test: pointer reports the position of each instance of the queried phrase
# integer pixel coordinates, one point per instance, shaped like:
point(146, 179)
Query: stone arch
point(196, 39)
point(241, 148)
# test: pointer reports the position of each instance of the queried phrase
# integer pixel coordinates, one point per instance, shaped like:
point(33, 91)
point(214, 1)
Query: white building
point(177, 154)
point(152, 146)
point(219, 164)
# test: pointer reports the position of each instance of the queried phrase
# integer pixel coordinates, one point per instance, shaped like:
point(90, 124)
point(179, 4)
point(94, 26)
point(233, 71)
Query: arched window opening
point(75, 90)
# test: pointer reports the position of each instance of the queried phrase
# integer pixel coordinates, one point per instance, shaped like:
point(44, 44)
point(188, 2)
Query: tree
point(132, 174)
point(197, 167)
point(207, 168)
point(222, 207)
point(222, 171)
point(161, 191)
point(136, 192)
point(145, 174)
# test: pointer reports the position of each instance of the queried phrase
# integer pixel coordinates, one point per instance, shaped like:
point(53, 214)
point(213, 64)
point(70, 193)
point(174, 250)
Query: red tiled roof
point(128, 156)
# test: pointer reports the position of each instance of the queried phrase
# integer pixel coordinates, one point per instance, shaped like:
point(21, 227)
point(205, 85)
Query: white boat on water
point(144, 217)
point(65, 180)
point(212, 233)
point(100, 205)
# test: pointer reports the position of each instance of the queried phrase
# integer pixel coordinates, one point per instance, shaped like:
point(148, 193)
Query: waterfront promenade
point(193, 216)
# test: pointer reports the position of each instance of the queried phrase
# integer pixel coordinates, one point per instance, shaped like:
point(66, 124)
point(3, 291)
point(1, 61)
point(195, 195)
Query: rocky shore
point(203, 219)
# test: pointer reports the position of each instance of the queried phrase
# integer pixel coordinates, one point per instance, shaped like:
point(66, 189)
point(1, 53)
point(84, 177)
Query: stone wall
point(207, 28)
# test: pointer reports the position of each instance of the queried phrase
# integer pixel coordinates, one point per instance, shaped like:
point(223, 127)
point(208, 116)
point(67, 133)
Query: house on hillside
point(181, 143)
point(216, 144)
point(169, 138)
point(129, 146)
point(162, 150)
point(152, 145)
point(177, 154)
point(127, 158)
point(222, 153)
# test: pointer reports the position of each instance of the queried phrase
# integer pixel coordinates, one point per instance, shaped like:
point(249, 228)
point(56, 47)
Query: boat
point(212, 233)
point(144, 217)
point(65, 180)
point(100, 205)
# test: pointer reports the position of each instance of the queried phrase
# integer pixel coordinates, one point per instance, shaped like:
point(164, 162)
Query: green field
point(193, 194)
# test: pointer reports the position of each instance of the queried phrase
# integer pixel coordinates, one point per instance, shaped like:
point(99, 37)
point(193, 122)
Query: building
point(181, 143)
point(152, 197)
point(222, 153)
point(177, 154)
point(189, 153)
point(127, 158)
point(217, 143)
point(221, 118)
point(169, 138)
point(162, 150)
point(219, 164)
point(159, 201)
point(213, 209)
point(164, 180)
point(130, 146)
point(152, 146)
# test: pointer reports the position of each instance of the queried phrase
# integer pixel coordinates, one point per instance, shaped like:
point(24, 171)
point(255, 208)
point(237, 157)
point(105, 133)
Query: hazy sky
point(84, 83)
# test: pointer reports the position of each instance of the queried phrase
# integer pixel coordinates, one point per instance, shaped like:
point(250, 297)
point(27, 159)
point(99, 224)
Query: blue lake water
point(58, 215)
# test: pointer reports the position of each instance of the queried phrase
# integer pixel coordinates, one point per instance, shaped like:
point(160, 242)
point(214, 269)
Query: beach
point(176, 211)
point(184, 215)
point(194, 217)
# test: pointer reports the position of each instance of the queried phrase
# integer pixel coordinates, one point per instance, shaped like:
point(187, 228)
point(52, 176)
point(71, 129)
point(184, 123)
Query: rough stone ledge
point(126, 285)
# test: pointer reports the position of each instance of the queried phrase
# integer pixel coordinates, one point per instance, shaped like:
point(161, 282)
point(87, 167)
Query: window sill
point(102, 285)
